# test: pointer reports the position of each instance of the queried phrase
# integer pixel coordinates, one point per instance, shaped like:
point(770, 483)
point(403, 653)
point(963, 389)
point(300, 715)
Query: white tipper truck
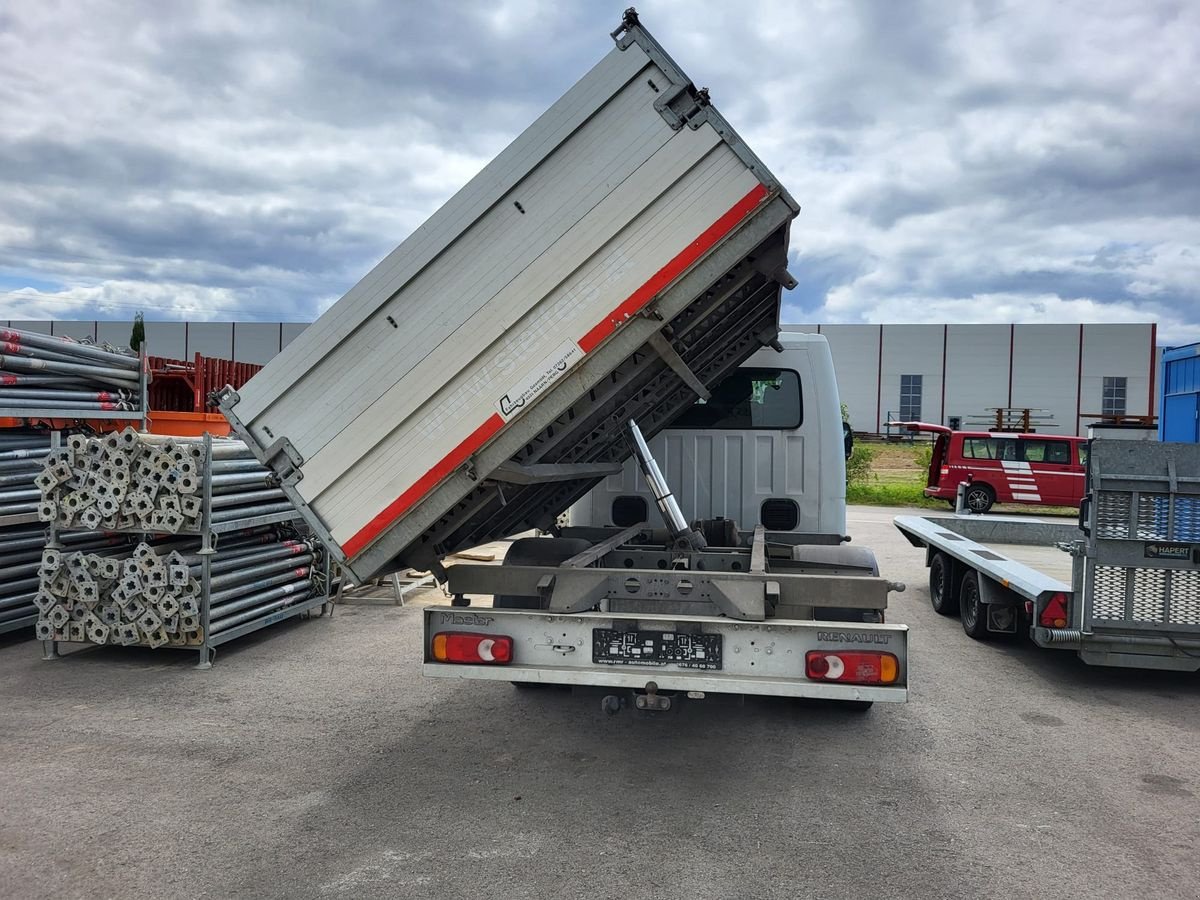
point(623, 254)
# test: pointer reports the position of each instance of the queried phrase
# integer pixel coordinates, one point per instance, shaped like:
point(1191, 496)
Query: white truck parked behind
point(623, 254)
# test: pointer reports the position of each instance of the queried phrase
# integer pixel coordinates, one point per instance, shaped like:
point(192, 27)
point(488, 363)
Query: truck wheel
point(536, 552)
point(943, 591)
point(979, 498)
point(972, 608)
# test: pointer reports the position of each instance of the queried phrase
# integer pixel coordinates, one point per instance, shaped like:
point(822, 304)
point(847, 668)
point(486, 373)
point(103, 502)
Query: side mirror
point(847, 438)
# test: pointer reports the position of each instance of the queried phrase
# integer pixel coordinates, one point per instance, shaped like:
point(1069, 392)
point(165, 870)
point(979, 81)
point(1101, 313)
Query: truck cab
point(766, 448)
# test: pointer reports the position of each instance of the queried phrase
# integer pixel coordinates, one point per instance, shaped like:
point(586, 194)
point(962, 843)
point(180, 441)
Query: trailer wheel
point(972, 608)
point(979, 498)
point(536, 552)
point(943, 591)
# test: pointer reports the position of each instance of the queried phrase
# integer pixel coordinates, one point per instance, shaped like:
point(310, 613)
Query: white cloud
point(984, 161)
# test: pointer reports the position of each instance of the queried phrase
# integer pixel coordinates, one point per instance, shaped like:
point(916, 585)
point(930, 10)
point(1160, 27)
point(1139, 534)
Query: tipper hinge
point(682, 104)
point(284, 459)
point(679, 103)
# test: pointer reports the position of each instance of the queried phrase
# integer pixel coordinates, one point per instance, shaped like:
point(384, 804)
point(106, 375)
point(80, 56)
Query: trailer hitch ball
point(652, 699)
point(898, 587)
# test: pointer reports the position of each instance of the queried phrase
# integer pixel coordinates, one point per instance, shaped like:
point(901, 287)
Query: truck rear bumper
point(756, 658)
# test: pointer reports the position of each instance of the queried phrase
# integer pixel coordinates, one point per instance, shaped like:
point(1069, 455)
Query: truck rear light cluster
point(852, 666)
point(461, 647)
point(1054, 613)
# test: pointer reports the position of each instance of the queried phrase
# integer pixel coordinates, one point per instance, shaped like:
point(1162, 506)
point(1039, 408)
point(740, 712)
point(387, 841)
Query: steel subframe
point(741, 595)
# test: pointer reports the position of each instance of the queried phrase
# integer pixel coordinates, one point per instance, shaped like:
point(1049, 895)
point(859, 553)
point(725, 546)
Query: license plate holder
point(611, 647)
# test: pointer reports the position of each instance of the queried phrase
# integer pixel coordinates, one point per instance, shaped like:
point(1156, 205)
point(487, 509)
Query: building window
point(1113, 403)
point(910, 398)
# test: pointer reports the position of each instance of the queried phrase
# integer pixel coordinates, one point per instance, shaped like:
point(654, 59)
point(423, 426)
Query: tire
point(972, 609)
point(943, 589)
point(536, 552)
point(979, 498)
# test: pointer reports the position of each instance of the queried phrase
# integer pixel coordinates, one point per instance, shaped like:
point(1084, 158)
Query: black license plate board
point(656, 648)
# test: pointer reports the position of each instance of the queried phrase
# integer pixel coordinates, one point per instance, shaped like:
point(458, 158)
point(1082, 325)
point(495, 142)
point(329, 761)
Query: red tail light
point(852, 666)
point(460, 647)
point(1054, 613)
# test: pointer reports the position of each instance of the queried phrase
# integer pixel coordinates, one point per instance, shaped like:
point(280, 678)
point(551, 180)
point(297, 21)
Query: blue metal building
point(1179, 415)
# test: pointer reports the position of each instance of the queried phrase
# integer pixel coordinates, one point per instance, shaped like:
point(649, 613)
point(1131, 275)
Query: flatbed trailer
point(623, 254)
point(1120, 587)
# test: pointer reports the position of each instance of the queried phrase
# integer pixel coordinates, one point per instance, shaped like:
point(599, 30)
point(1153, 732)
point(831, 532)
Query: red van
point(1005, 468)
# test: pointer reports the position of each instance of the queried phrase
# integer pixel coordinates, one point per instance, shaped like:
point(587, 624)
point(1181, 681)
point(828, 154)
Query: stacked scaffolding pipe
point(41, 374)
point(21, 552)
point(158, 594)
point(22, 455)
point(128, 481)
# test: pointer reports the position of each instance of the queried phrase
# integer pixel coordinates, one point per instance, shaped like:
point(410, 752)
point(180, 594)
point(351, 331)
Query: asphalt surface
point(315, 761)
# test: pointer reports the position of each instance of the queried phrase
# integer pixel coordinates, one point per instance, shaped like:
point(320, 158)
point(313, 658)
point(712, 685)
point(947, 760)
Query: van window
point(1083, 454)
point(749, 398)
point(989, 448)
point(1058, 452)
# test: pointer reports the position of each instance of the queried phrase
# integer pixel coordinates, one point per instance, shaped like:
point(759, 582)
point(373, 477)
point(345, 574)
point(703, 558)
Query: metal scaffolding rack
point(209, 534)
point(8, 524)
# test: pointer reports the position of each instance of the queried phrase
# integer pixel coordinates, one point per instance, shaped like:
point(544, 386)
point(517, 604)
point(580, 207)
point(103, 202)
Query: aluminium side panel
point(480, 315)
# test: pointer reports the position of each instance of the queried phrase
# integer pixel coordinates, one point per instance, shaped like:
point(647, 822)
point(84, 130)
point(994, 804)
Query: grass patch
point(891, 493)
point(889, 475)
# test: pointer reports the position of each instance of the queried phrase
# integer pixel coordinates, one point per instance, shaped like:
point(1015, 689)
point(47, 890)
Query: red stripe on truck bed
point(630, 307)
point(424, 485)
point(673, 269)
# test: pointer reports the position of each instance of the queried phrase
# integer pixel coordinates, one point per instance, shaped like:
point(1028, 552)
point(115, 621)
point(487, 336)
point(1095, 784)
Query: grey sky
point(1016, 160)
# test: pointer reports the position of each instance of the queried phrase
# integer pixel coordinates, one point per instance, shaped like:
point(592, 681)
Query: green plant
point(923, 456)
point(138, 337)
point(858, 466)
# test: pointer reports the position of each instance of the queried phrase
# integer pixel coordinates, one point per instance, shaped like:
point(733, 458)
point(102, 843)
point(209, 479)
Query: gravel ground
point(315, 761)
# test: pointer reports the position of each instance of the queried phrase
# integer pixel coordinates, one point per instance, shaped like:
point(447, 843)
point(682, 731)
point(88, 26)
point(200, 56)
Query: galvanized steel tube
point(218, 599)
point(75, 348)
point(262, 570)
point(219, 517)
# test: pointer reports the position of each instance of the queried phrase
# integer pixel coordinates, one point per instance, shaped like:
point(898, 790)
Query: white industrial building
point(953, 374)
point(947, 374)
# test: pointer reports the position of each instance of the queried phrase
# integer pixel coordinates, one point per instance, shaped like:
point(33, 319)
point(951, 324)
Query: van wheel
point(536, 552)
point(943, 591)
point(972, 608)
point(980, 498)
